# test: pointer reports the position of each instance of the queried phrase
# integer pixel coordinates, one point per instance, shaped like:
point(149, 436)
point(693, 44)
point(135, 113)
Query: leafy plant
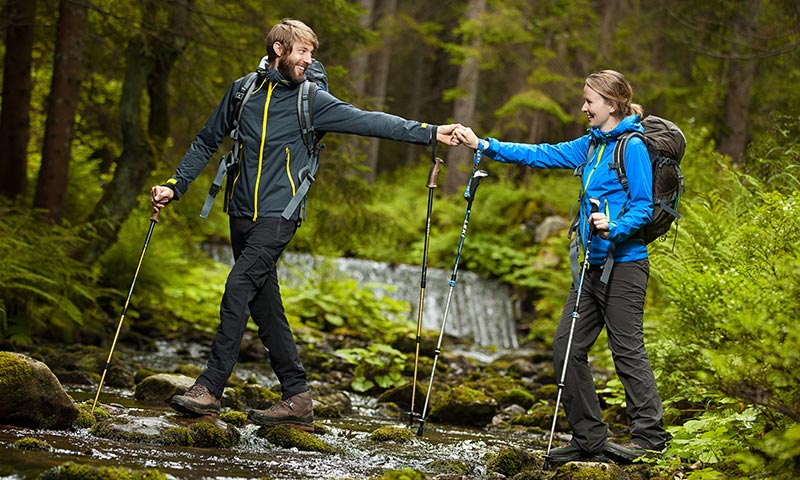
point(376, 365)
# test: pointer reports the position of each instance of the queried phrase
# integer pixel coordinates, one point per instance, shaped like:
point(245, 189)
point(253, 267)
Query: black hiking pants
point(252, 290)
point(618, 306)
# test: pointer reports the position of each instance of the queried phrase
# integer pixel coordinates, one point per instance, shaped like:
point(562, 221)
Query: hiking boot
point(628, 452)
point(197, 401)
point(296, 411)
point(571, 453)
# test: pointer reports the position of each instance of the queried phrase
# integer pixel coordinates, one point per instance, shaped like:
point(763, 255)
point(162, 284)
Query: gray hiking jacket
point(273, 152)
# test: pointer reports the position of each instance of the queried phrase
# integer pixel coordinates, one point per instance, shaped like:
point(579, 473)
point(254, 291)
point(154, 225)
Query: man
point(272, 156)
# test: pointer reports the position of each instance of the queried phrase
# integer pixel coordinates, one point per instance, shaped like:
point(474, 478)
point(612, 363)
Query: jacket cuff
point(172, 184)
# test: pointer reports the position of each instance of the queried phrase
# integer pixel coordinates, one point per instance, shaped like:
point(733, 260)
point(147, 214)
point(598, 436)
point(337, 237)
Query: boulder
point(159, 389)
point(31, 395)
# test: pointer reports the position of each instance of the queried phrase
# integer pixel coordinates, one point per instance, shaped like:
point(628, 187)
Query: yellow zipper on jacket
point(596, 164)
point(261, 149)
point(241, 154)
point(289, 170)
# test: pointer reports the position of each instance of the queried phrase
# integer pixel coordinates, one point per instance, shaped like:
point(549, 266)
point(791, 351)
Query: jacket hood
point(627, 124)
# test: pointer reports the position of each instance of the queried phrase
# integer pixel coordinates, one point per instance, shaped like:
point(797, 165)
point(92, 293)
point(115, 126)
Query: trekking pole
point(434, 172)
point(595, 208)
point(469, 195)
point(153, 221)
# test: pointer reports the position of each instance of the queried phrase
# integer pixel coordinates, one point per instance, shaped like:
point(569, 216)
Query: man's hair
point(615, 89)
point(287, 32)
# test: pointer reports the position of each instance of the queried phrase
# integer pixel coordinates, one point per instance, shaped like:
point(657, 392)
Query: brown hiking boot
point(296, 411)
point(197, 401)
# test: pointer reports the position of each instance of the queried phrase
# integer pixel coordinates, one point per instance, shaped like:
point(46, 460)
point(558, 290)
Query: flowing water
point(479, 309)
point(358, 457)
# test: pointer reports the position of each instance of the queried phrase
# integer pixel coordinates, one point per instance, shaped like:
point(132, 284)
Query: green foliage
point(328, 301)
point(44, 292)
point(376, 365)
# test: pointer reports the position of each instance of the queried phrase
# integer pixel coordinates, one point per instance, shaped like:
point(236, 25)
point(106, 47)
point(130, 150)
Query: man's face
point(292, 65)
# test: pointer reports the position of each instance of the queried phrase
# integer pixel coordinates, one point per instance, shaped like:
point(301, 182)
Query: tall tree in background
point(150, 58)
point(458, 159)
point(15, 115)
point(51, 186)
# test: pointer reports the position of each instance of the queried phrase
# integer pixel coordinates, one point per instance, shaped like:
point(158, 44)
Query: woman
point(615, 282)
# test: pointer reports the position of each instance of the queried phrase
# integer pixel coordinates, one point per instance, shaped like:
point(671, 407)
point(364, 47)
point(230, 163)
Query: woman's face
point(598, 110)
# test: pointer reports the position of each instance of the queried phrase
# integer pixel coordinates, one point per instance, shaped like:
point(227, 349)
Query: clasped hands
point(456, 134)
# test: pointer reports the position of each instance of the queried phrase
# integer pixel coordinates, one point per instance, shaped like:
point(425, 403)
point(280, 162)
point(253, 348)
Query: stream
point(359, 457)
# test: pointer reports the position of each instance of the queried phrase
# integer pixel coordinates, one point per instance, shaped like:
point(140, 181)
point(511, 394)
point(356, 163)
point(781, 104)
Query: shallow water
point(256, 458)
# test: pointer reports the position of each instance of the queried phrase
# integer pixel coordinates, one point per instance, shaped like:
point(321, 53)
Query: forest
point(101, 98)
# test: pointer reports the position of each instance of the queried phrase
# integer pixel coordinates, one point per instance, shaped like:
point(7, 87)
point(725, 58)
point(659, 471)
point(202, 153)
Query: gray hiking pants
point(252, 290)
point(618, 306)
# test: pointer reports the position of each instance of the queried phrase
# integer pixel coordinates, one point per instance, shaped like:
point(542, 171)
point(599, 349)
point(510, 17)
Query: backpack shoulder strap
point(241, 97)
point(618, 161)
point(305, 112)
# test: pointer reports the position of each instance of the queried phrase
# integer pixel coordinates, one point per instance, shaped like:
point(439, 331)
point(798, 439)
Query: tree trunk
point(459, 159)
point(148, 65)
point(740, 76)
point(15, 114)
point(358, 67)
point(380, 78)
point(51, 186)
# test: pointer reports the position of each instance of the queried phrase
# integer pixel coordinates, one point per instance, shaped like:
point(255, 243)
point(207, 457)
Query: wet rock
point(510, 462)
point(72, 470)
point(464, 406)
point(207, 431)
point(249, 395)
point(31, 396)
point(288, 437)
point(28, 443)
point(332, 403)
point(159, 388)
point(589, 471)
point(391, 433)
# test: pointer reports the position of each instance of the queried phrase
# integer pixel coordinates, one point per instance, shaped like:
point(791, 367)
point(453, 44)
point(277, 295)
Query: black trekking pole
point(434, 172)
point(469, 195)
point(595, 208)
point(153, 221)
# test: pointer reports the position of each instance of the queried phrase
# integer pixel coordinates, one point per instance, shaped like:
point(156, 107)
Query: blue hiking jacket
point(627, 211)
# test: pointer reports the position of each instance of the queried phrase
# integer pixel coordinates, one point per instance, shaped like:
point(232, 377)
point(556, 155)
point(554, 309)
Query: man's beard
point(288, 71)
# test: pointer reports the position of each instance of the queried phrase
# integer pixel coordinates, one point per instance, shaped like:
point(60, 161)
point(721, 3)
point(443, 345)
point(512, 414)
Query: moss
point(189, 370)
point(406, 474)
point(572, 471)
point(76, 471)
point(141, 374)
point(516, 396)
point(209, 435)
point(13, 371)
point(87, 419)
point(391, 433)
point(105, 429)
point(28, 443)
point(290, 437)
point(255, 396)
point(235, 418)
point(511, 461)
point(177, 436)
point(455, 467)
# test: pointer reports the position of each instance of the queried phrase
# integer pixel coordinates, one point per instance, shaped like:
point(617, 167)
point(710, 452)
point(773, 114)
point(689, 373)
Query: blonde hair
point(286, 33)
point(616, 90)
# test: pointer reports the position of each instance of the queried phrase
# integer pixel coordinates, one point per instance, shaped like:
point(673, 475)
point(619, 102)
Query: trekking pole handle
point(154, 217)
point(472, 187)
point(595, 207)
point(434, 173)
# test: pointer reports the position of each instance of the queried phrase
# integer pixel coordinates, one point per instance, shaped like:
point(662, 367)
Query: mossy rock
point(235, 418)
point(289, 437)
point(406, 474)
point(516, 396)
point(29, 443)
point(211, 435)
point(87, 419)
point(589, 471)
point(76, 471)
point(464, 406)
point(512, 461)
point(160, 388)
point(31, 395)
point(391, 433)
point(180, 436)
point(450, 467)
point(250, 395)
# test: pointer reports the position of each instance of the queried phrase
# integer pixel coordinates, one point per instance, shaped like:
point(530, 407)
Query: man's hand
point(445, 134)
point(600, 224)
point(160, 196)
